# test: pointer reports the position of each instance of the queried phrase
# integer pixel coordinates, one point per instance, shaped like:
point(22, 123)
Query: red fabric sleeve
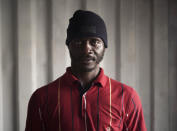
point(134, 120)
point(34, 121)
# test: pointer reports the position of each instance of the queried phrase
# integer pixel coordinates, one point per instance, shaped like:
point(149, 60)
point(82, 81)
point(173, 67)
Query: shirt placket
point(84, 109)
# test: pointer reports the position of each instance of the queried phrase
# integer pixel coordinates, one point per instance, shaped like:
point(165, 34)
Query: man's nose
point(87, 48)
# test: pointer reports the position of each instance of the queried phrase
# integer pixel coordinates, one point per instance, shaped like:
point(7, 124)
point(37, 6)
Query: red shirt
point(107, 105)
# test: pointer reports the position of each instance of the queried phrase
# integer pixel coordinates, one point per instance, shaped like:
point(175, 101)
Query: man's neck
point(86, 77)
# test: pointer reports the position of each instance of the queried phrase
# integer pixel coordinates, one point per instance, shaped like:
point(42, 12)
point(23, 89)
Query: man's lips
point(87, 60)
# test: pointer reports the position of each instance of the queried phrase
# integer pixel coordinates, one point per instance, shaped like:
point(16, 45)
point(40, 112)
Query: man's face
point(86, 53)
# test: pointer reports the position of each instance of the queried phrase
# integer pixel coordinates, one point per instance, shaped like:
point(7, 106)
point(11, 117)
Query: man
point(84, 98)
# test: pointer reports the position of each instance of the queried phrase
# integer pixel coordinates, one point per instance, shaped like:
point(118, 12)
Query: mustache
point(87, 57)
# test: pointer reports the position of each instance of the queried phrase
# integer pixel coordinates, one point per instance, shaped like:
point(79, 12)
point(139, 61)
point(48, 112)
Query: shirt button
point(126, 129)
point(108, 129)
point(127, 115)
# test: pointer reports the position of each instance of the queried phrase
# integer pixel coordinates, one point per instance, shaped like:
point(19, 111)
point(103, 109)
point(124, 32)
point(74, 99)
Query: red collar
point(70, 79)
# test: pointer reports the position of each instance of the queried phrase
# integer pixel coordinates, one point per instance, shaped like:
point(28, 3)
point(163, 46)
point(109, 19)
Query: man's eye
point(95, 42)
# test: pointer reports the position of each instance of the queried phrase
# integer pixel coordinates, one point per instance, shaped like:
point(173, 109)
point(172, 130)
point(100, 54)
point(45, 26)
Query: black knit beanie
point(86, 24)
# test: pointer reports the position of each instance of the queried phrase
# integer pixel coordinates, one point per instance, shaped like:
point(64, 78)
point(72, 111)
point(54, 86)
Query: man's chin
point(83, 67)
point(87, 69)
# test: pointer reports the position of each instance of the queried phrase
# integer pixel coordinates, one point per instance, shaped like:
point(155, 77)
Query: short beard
point(100, 57)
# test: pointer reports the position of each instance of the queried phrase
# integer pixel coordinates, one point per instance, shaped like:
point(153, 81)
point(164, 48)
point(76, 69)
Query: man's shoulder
point(51, 84)
point(49, 88)
point(126, 89)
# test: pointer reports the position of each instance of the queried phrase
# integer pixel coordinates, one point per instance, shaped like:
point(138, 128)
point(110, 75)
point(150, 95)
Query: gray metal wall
point(142, 52)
